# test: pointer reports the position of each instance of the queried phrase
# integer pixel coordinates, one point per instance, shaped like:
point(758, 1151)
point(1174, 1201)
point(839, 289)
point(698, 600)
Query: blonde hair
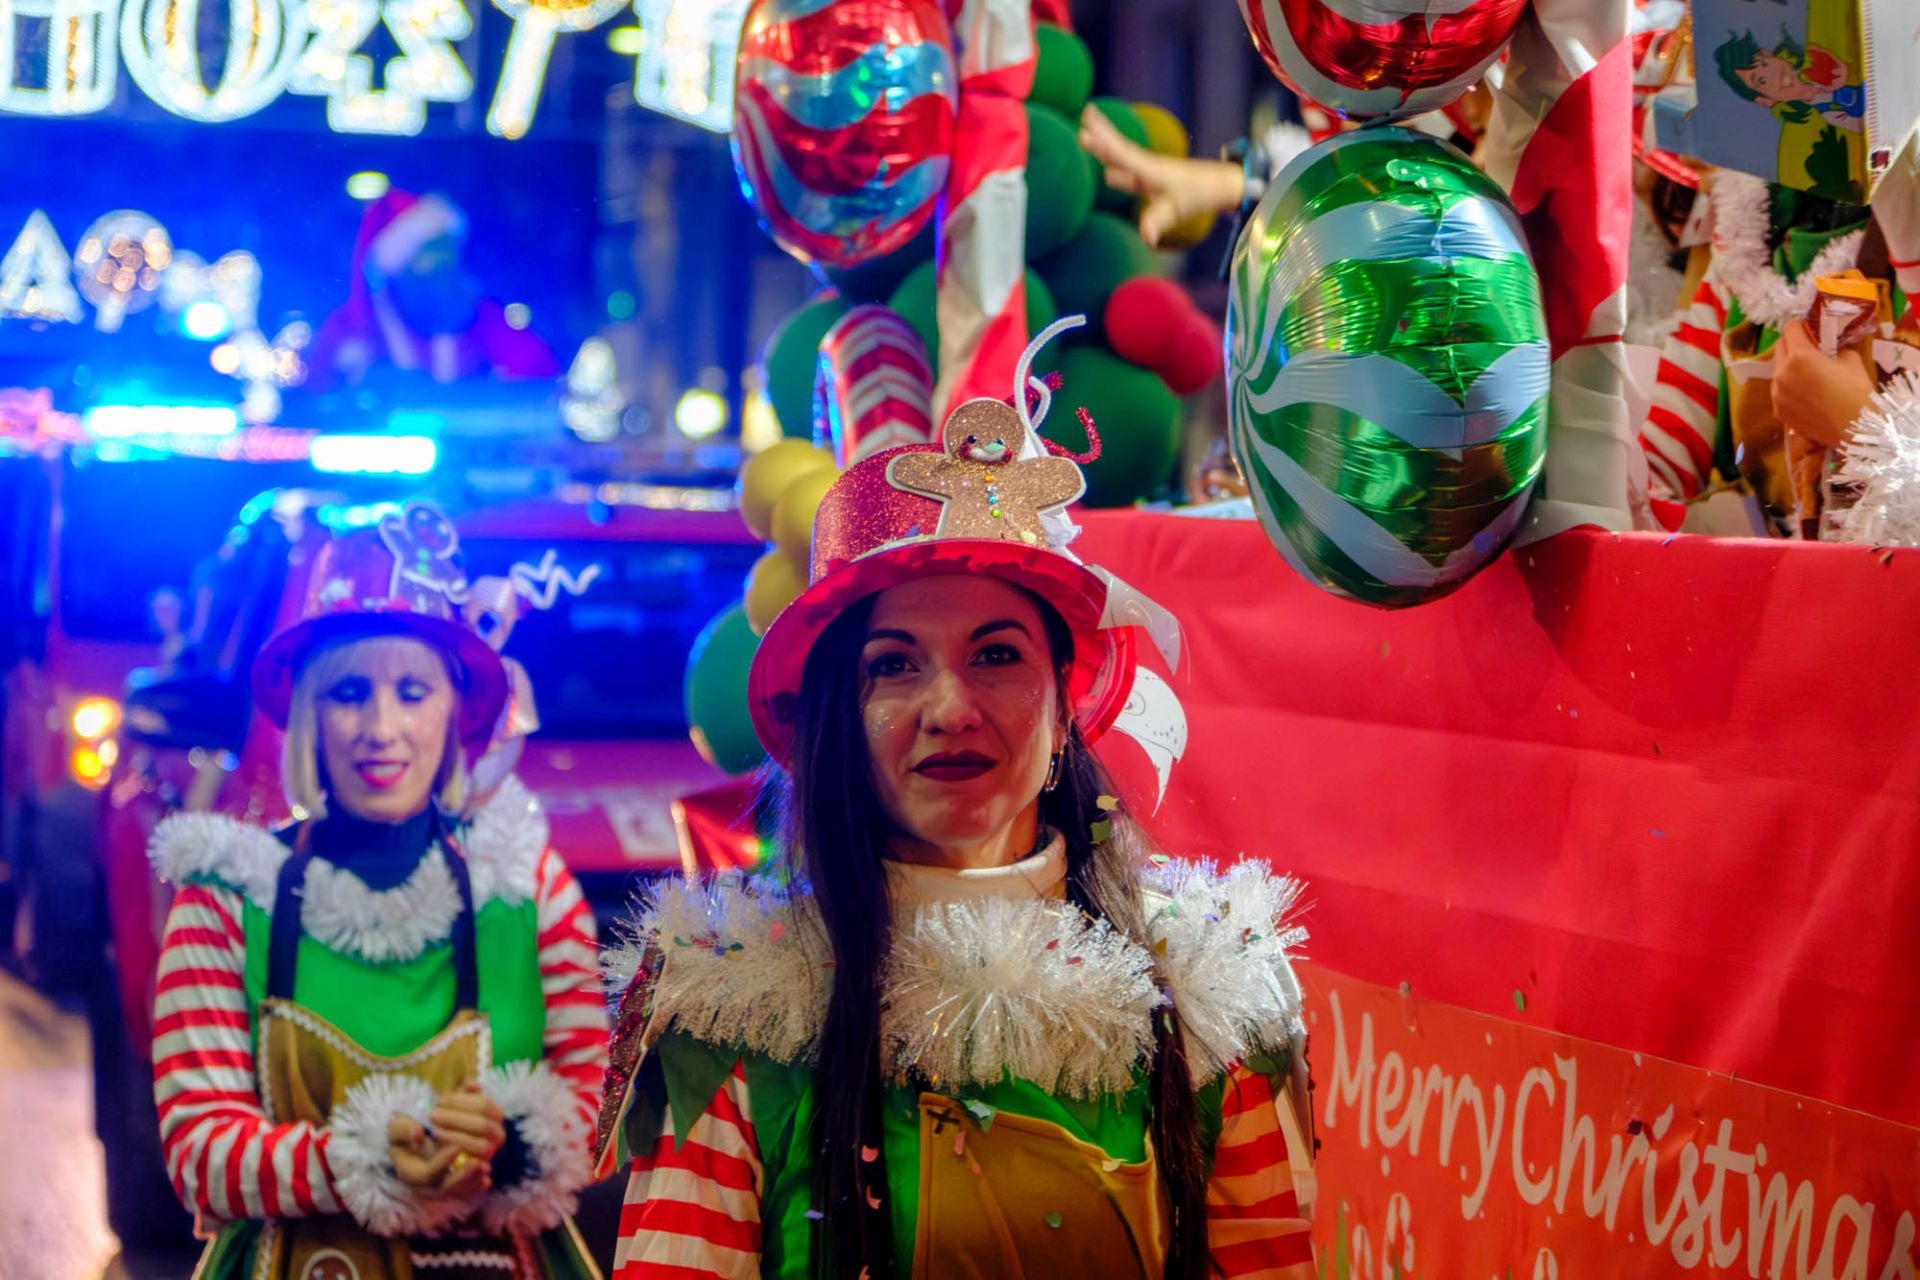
point(300, 751)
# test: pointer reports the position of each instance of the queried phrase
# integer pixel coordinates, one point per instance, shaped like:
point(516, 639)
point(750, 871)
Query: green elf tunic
point(316, 985)
point(1016, 1031)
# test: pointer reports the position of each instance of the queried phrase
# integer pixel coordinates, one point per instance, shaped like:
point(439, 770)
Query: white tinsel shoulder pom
point(1227, 941)
point(1881, 463)
point(212, 846)
point(977, 990)
point(743, 962)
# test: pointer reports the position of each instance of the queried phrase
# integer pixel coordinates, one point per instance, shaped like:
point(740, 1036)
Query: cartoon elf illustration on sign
point(1791, 80)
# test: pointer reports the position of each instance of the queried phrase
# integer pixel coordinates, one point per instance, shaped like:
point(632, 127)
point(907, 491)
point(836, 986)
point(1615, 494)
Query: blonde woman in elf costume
point(974, 1034)
point(379, 1038)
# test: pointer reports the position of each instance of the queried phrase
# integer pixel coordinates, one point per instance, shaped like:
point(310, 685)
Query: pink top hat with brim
point(988, 499)
point(402, 578)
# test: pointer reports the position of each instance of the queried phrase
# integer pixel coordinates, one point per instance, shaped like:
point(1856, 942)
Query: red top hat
point(987, 500)
point(403, 578)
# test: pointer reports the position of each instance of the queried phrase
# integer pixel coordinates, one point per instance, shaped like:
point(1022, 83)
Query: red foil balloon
point(1381, 59)
point(843, 122)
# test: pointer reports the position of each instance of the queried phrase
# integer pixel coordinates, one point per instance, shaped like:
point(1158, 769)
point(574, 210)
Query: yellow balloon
point(771, 587)
point(767, 475)
point(1165, 134)
point(793, 515)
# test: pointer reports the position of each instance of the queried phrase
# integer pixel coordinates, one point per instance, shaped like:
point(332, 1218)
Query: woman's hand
point(1814, 394)
point(455, 1159)
point(1173, 190)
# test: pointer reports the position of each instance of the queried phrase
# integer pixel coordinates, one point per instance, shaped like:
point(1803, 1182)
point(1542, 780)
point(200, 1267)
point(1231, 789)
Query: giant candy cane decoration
point(1559, 142)
point(982, 304)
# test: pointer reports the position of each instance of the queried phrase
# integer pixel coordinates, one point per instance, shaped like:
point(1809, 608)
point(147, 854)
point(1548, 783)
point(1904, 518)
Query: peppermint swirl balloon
point(1387, 366)
point(843, 122)
point(1381, 58)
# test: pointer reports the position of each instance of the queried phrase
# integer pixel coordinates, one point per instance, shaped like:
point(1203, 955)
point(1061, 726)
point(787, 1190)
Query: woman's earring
point(1053, 772)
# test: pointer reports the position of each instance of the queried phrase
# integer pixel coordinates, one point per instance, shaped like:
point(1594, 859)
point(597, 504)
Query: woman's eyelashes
point(354, 690)
point(351, 691)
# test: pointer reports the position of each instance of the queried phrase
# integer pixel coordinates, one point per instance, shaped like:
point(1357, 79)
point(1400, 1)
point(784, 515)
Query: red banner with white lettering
point(1646, 805)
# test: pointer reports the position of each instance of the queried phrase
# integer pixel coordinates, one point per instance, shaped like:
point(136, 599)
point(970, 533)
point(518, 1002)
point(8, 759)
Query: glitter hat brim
point(482, 699)
point(1104, 657)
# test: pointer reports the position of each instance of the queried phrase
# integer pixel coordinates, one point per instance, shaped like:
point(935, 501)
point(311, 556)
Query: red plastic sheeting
point(1660, 793)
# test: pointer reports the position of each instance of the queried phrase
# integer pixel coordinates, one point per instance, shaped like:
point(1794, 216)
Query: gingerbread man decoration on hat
point(989, 482)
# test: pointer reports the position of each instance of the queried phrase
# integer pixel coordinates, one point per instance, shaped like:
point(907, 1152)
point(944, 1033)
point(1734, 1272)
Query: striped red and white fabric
point(982, 303)
point(573, 1043)
point(1682, 430)
point(1256, 1229)
point(692, 1209)
point(225, 1160)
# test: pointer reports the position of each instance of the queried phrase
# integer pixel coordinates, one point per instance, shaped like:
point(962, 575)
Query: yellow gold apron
point(1023, 1189)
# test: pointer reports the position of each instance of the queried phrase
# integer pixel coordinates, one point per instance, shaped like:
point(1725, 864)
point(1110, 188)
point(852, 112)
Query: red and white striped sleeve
point(574, 1043)
point(224, 1158)
point(1683, 425)
point(1255, 1227)
point(693, 1211)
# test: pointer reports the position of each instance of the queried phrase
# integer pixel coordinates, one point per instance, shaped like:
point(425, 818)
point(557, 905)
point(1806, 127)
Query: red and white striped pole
point(982, 305)
point(1560, 143)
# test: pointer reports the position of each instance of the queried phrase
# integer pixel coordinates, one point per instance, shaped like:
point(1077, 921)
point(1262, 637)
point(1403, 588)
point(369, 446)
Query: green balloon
point(1388, 403)
point(1059, 183)
point(1138, 419)
point(1063, 70)
point(1084, 273)
point(716, 693)
point(1127, 121)
point(874, 281)
point(792, 354)
point(915, 302)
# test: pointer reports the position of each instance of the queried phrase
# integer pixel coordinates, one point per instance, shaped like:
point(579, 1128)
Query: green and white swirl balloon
point(1387, 366)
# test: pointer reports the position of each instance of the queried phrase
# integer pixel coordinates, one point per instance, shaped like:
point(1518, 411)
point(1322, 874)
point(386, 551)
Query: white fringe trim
point(985, 988)
point(363, 1174)
point(503, 844)
point(1880, 466)
point(544, 1109)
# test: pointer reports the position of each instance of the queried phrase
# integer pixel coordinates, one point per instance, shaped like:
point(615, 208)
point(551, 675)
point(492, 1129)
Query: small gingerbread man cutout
point(986, 488)
point(425, 548)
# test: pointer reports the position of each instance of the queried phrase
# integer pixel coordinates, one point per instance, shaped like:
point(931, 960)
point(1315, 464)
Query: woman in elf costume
point(971, 1032)
point(379, 1038)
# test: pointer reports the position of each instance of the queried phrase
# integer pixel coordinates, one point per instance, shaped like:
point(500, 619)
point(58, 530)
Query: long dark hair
point(837, 836)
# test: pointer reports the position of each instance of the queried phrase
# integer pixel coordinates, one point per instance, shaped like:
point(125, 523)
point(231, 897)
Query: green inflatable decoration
point(1138, 419)
point(1084, 273)
point(914, 301)
point(716, 693)
point(793, 353)
point(1128, 122)
point(1387, 366)
point(1059, 183)
point(1063, 70)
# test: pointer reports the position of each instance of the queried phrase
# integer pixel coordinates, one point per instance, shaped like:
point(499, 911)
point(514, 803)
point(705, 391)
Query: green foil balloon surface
point(1387, 366)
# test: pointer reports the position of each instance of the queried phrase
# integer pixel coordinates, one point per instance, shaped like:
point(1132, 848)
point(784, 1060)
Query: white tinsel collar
point(1743, 265)
point(502, 843)
point(989, 987)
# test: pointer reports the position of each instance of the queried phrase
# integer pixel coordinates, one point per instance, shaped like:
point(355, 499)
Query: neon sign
point(683, 58)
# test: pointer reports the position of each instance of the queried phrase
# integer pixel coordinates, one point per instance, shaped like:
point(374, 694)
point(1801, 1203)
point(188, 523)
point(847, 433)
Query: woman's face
point(962, 710)
point(383, 729)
